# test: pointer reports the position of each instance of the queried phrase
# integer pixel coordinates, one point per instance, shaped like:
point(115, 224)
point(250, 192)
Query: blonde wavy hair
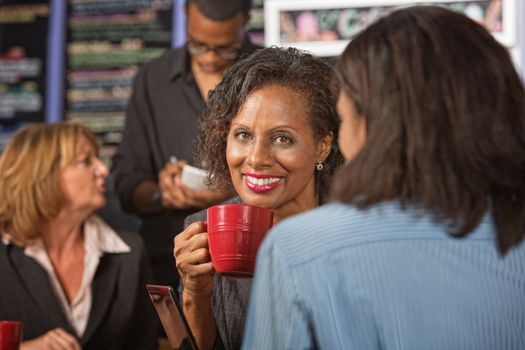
point(30, 191)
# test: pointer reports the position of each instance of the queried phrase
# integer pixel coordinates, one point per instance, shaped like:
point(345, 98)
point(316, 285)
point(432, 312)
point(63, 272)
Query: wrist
point(196, 296)
point(199, 313)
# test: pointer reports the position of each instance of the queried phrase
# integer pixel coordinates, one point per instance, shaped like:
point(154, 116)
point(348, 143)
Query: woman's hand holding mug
point(193, 259)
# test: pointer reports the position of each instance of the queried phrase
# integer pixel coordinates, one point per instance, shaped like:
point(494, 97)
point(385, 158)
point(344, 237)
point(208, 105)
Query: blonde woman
point(73, 281)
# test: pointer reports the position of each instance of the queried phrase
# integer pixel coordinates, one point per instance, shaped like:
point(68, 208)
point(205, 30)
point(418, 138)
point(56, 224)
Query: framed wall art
point(325, 27)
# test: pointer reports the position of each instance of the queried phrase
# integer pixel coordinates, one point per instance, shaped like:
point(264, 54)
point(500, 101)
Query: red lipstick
point(261, 188)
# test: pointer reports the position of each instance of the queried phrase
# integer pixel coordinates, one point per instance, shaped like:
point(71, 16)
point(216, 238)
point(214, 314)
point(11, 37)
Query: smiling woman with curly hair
point(269, 132)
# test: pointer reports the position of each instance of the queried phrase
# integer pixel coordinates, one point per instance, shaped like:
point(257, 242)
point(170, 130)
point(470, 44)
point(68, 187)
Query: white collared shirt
point(99, 238)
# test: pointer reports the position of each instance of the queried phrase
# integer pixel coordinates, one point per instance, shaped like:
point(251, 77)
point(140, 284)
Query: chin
point(258, 201)
point(99, 204)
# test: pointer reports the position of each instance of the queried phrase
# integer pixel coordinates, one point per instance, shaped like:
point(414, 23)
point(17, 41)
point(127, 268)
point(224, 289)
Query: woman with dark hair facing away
point(270, 132)
point(423, 248)
point(72, 281)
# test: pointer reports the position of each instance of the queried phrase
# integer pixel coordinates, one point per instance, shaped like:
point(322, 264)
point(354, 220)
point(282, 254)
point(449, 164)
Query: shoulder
point(163, 65)
point(198, 216)
point(335, 226)
point(5, 248)
point(111, 239)
point(332, 217)
point(132, 239)
point(166, 59)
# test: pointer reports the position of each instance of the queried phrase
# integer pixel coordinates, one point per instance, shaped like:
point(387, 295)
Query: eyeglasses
point(226, 53)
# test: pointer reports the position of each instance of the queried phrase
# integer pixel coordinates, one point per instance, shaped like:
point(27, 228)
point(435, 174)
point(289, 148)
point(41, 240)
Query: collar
point(99, 239)
point(180, 63)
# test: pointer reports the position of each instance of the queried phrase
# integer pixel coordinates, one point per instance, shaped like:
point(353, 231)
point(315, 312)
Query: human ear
point(324, 146)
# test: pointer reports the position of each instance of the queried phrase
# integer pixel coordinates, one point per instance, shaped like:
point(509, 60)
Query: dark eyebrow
point(278, 128)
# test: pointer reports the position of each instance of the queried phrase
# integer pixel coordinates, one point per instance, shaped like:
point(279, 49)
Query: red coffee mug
point(10, 335)
point(235, 232)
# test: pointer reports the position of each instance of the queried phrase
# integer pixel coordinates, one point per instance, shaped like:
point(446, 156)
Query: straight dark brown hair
point(445, 116)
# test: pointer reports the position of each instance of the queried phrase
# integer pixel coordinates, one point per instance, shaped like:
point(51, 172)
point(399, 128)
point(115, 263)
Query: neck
point(205, 81)
point(63, 234)
point(299, 207)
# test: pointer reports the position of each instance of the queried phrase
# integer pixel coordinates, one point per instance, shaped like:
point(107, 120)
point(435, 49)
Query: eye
point(197, 44)
point(283, 139)
point(242, 135)
point(87, 161)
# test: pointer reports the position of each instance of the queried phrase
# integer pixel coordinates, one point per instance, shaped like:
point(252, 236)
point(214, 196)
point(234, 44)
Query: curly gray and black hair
point(299, 71)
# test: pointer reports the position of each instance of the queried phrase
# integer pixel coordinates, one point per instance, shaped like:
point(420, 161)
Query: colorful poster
point(23, 48)
point(107, 41)
point(325, 27)
point(256, 23)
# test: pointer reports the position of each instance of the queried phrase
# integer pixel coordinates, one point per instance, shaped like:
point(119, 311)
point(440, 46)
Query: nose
point(101, 168)
point(210, 57)
point(260, 155)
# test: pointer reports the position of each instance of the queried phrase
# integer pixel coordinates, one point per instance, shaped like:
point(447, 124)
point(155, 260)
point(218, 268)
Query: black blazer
point(121, 316)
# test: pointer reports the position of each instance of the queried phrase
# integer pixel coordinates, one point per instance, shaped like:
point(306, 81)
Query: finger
point(185, 190)
point(167, 198)
point(198, 241)
point(193, 229)
point(182, 190)
point(185, 253)
point(168, 173)
point(196, 274)
point(67, 338)
point(186, 197)
point(173, 168)
point(181, 242)
point(177, 196)
point(50, 340)
point(201, 270)
point(194, 196)
point(197, 257)
point(166, 181)
point(64, 340)
point(181, 163)
point(53, 341)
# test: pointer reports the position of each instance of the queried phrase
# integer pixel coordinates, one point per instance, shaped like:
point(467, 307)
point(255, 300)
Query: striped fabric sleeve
point(276, 316)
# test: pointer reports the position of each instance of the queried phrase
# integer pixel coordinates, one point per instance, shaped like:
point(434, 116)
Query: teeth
point(262, 182)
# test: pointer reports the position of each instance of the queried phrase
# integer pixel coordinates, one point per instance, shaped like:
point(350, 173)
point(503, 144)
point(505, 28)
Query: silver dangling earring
point(319, 166)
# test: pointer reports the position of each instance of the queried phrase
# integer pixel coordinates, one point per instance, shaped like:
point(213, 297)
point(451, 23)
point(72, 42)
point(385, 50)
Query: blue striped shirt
point(384, 278)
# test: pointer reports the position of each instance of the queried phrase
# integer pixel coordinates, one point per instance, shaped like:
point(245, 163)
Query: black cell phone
point(172, 318)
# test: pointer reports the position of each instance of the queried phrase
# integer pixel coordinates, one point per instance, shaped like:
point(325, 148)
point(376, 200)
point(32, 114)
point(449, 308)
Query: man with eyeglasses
point(161, 126)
